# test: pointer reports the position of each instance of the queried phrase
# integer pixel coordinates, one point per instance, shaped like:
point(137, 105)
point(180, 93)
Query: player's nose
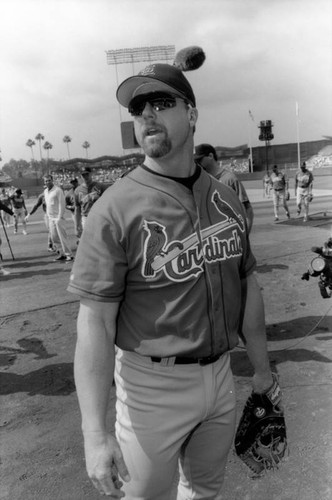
point(148, 110)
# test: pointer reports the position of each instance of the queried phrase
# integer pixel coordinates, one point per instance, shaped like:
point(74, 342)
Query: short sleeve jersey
point(230, 179)
point(85, 196)
point(278, 181)
point(174, 258)
point(18, 202)
point(304, 179)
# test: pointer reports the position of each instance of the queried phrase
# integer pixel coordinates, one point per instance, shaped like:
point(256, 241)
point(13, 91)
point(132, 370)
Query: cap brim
point(139, 85)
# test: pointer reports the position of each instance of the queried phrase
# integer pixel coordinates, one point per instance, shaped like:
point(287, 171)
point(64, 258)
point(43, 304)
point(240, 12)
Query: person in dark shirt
point(5, 199)
point(86, 194)
point(8, 210)
point(70, 205)
point(19, 209)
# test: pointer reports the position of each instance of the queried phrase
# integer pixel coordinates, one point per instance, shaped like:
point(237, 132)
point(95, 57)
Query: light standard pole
point(266, 135)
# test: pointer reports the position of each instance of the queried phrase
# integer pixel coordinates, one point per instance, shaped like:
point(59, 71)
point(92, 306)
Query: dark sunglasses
point(158, 100)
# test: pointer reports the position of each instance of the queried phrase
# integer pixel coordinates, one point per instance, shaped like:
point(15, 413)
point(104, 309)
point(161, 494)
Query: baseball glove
point(260, 439)
point(310, 197)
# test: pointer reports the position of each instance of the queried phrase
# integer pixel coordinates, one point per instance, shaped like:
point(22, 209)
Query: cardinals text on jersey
point(183, 259)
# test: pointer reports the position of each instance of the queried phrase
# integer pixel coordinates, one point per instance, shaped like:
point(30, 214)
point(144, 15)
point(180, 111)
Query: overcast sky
point(261, 56)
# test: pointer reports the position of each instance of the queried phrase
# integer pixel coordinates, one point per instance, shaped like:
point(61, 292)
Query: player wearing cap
point(206, 155)
point(19, 209)
point(86, 194)
point(165, 276)
point(70, 205)
point(279, 185)
point(303, 190)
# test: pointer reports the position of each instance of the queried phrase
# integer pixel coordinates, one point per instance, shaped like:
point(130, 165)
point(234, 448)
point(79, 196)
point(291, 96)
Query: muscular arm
point(255, 335)
point(93, 370)
point(94, 360)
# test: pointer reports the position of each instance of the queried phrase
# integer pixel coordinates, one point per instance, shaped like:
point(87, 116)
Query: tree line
point(20, 168)
point(48, 146)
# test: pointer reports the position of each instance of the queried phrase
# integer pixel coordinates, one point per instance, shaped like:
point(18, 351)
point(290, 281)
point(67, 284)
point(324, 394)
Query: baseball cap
point(203, 150)
point(86, 170)
point(156, 78)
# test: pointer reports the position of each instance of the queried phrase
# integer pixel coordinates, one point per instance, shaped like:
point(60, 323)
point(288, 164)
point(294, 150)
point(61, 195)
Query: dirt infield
point(41, 446)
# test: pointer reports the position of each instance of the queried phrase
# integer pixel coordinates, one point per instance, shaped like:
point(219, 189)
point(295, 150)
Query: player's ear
point(192, 116)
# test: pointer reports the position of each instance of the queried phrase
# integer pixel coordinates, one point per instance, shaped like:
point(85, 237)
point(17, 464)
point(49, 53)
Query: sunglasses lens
point(158, 100)
point(136, 108)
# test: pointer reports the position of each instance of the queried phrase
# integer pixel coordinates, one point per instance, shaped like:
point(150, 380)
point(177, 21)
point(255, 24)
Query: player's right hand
point(105, 463)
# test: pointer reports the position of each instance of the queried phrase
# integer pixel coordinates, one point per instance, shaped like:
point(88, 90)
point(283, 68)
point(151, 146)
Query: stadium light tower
point(135, 55)
point(267, 136)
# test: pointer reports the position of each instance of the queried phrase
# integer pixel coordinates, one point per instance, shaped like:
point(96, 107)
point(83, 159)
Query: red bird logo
point(154, 245)
point(226, 210)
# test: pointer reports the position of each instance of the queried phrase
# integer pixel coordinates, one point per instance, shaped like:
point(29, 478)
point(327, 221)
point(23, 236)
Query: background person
point(41, 203)
point(164, 272)
point(303, 190)
point(5, 200)
point(55, 209)
point(86, 194)
point(266, 185)
point(279, 186)
point(207, 157)
point(4, 209)
point(19, 209)
point(70, 205)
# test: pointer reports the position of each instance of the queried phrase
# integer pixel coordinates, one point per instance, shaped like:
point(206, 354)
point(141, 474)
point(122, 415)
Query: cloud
point(259, 55)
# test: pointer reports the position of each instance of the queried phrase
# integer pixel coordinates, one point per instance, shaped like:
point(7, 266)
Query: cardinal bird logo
point(226, 210)
point(154, 245)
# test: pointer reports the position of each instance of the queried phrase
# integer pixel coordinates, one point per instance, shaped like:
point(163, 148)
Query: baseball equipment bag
point(260, 439)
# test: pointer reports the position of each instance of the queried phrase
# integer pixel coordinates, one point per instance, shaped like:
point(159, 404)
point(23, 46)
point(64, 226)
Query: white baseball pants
point(175, 426)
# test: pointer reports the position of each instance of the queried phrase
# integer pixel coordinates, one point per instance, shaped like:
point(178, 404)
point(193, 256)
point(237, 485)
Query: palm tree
point(67, 140)
point(39, 137)
point(30, 143)
point(86, 146)
point(47, 146)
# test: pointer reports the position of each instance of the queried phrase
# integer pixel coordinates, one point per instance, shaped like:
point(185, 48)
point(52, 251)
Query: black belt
point(189, 361)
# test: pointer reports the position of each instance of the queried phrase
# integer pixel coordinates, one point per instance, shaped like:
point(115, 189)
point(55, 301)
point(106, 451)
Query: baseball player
point(166, 281)
point(85, 195)
point(279, 185)
point(19, 210)
point(303, 190)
